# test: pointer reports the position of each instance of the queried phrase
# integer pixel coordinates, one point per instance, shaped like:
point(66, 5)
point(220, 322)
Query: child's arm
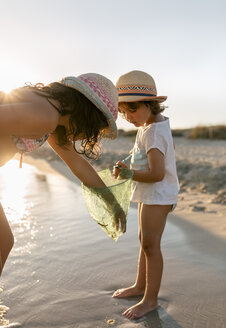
point(155, 172)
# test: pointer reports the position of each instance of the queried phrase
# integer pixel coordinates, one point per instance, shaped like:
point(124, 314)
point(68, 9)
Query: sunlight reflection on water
point(14, 190)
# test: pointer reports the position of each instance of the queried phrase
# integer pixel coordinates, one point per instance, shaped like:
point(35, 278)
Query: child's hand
point(117, 168)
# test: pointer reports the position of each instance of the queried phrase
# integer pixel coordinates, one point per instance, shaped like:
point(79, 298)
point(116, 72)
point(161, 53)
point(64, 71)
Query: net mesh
point(98, 207)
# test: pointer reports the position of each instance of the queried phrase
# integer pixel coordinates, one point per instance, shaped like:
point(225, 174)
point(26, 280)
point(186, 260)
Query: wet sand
point(64, 273)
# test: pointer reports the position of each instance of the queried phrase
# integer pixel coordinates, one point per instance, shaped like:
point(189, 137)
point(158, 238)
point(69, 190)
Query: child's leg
point(6, 238)
point(139, 286)
point(153, 219)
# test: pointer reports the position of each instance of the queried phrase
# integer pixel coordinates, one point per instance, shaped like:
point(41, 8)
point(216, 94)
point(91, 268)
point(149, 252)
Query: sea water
point(63, 268)
point(60, 269)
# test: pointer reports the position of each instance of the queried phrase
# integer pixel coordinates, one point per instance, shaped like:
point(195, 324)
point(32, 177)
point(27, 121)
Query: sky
point(181, 43)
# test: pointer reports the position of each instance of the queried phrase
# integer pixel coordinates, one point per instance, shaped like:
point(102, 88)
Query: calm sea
point(63, 268)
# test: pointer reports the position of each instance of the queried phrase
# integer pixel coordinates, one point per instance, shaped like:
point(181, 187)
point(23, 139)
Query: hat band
point(136, 90)
point(101, 93)
point(137, 94)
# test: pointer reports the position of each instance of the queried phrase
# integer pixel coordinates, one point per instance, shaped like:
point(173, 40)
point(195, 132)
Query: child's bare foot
point(138, 310)
point(127, 292)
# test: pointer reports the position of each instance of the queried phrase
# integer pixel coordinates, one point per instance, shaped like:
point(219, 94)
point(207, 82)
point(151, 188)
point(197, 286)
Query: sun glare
point(15, 189)
point(13, 75)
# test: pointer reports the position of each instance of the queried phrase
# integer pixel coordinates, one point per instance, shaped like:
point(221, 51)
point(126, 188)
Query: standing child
point(155, 182)
point(76, 108)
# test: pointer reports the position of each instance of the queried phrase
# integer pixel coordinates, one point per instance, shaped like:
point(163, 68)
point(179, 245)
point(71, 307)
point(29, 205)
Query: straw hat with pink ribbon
point(102, 93)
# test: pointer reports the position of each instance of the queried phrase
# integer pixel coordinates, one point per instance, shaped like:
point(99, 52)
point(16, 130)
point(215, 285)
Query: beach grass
point(217, 132)
point(208, 132)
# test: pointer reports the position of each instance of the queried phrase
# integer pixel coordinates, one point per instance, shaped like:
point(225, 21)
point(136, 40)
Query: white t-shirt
point(156, 135)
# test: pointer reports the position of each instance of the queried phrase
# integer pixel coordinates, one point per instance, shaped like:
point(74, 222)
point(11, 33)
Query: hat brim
point(141, 98)
point(79, 85)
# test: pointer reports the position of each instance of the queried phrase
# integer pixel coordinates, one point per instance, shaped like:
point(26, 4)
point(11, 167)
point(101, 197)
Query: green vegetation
point(129, 133)
point(199, 132)
point(208, 132)
point(180, 132)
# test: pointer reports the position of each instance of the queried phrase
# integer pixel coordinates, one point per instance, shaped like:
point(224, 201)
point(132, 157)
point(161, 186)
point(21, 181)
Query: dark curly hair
point(154, 106)
point(86, 121)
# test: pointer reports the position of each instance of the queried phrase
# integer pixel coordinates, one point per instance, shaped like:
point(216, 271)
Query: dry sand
point(193, 291)
point(201, 166)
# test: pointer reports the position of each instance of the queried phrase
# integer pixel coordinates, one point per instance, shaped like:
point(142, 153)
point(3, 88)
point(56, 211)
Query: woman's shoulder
point(36, 116)
point(23, 94)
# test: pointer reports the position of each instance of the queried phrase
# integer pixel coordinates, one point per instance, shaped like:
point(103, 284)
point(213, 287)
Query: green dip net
point(99, 208)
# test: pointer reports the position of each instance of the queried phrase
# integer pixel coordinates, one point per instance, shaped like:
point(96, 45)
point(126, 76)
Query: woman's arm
point(86, 173)
point(77, 163)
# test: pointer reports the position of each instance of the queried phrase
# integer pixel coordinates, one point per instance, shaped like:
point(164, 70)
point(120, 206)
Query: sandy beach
point(63, 268)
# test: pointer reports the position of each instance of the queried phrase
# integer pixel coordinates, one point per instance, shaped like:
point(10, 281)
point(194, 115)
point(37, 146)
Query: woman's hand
point(119, 218)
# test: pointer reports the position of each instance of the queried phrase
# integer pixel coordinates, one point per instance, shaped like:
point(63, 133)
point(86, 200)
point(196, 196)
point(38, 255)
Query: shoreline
point(202, 203)
point(201, 164)
point(65, 236)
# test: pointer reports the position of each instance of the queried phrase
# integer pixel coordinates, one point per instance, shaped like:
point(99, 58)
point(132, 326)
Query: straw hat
point(137, 86)
point(102, 93)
